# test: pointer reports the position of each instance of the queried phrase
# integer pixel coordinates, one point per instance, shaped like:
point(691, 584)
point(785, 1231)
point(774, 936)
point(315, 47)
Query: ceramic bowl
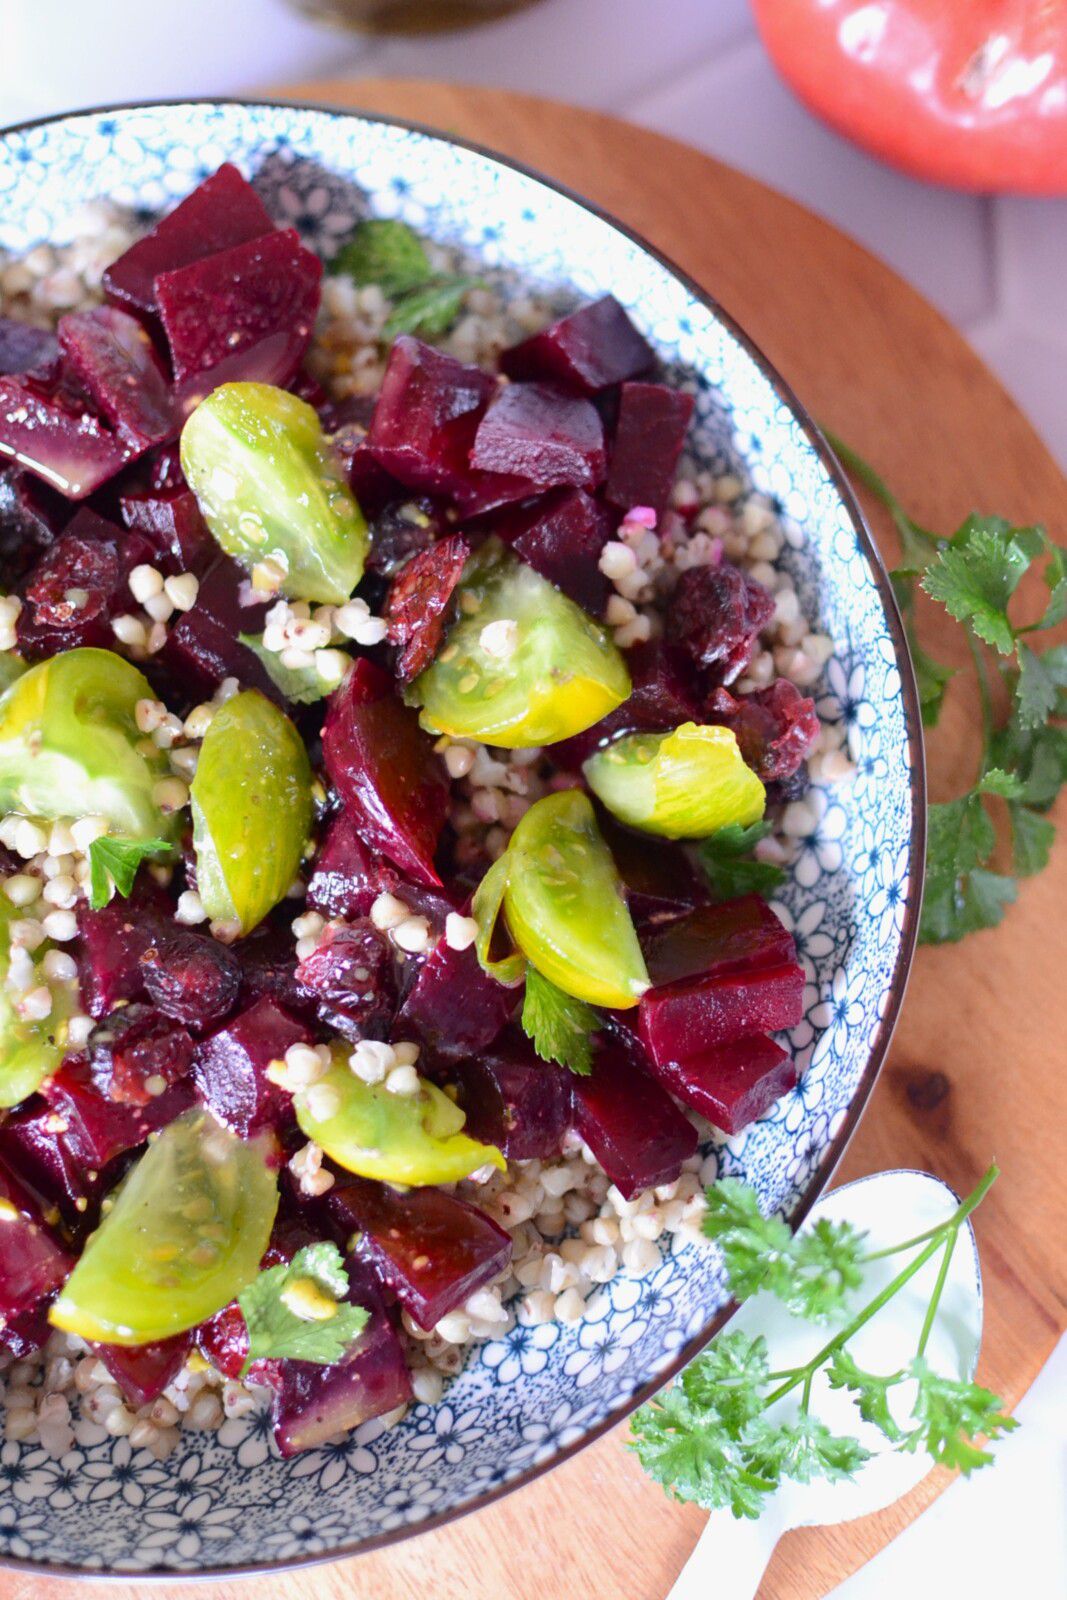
point(225, 1501)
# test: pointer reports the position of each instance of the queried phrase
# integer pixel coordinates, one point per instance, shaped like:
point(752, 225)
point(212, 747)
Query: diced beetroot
point(143, 1371)
point(24, 348)
point(246, 314)
point(202, 647)
point(539, 433)
point(775, 727)
point(190, 976)
point(731, 1084)
point(313, 1402)
point(515, 1100)
point(56, 440)
point(660, 880)
point(111, 944)
point(268, 965)
point(561, 536)
point(662, 697)
point(231, 1067)
point(173, 526)
point(221, 212)
point(31, 517)
point(630, 1123)
point(717, 614)
point(348, 876)
point(97, 1130)
point(223, 1339)
point(135, 1051)
point(453, 1005)
point(24, 1334)
point(426, 417)
point(418, 600)
point(686, 1018)
point(430, 1248)
point(379, 494)
point(92, 560)
point(33, 1264)
point(386, 771)
point(35, 1145)
point(115, 359)
point(351, 976)
point(736, 936)
point(648, 440)
point(588, 350)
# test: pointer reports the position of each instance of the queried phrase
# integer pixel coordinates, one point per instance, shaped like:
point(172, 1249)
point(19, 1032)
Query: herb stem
point(880, 489)
point(984, 696)
point(935, 1298)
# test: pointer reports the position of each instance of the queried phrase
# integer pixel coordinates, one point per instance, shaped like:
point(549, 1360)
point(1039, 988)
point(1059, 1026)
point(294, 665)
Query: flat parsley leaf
point(976, 575)
point(1032, 836)
point(288, 1312)
point(431, 309)
point(304, 685)
point(385, 252)
point(559, 1026)
point(960, 896)
point(729, 865)
point(113, 865)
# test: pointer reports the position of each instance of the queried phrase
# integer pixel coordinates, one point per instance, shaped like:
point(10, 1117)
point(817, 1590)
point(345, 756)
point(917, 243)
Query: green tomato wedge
point(11, 667)
point(268, 485)
point(69, 744)
point(507, 967)
point(557, 674)
point(184, 1235)
point(397, 1138)
point(683, 785)
point(29, 1051)
point(252, 806)
point(564, 904)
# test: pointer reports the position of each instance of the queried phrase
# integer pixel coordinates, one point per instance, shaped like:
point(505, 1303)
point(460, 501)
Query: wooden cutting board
point(977, 1068)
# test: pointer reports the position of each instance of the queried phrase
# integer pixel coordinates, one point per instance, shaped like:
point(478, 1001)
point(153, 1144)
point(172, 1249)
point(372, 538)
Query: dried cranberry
point(418, 599)
point(717, 614)
point(351, 976)
point(191, 976)
point(775, 727)
point(74, 564)
point(135, 1053)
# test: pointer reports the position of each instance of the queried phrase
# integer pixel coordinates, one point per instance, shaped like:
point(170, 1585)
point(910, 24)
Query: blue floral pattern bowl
point(525, 1400)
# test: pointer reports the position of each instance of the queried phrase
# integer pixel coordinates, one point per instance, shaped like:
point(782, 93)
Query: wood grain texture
point(977, 1066)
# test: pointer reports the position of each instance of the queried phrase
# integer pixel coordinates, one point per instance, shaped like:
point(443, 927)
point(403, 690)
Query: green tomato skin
point(29, 1051)
point(563, 674)
point(684, 784)
point(252, 809)
point(184, 1236)
point(564, 904)
point(70, 747)
point(11, 667)
point(267, 484)
point(405, 1139)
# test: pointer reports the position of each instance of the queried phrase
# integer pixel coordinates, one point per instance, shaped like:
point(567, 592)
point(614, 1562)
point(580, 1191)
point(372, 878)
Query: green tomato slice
point(29, 1051)
point(252, 808)
point(557, 673)
point(683, 785)
point(70, 747)
point(488, 903)
point(564, 904)
point(184, 1235)
point(268, 485)
point(406, 1139)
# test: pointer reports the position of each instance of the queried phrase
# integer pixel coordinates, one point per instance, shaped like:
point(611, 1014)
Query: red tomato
point(971, 93)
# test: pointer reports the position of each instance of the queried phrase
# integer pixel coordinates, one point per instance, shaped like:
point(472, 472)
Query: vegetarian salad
point(392, 719)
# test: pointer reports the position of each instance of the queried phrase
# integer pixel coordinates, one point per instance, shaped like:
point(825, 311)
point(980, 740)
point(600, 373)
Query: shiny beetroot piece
point(731, 1084)
point(190, 976)
point(33, 1263)
point(244, 315)
point(134, 1051)
point(55, 436)
point(351, 977)
point(31, 518)
point(542, 435)
point(24, 1334)
point(417, 602)
point(348, 876)
point(34, 1144)
point(202, 647)
point(221, 212)
point(385, 770)
point(735, 936)
point(717, 614)
point(268, 965)
point(115, 359)
point(775, 727)
point(94, 558)
point(399, 528)
point(97, 1129)
point(561, 536)
point(686, 1018)
point(171, 522)
point(589, 350)
point(515, 1100)
point(143, 1371)
point(111, 943)
point(230, 1070)
point(24, 348)
point(630, 1123)
point(454, 1006)
point(649, 436)
point(426, 417)
point(662, 697)
point(430, 1248)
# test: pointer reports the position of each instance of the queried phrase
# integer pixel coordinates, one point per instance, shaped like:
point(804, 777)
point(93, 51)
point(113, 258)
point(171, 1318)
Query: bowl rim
point(916, 852)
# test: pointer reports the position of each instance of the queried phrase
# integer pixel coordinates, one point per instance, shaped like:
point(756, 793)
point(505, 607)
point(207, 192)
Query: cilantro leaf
point(559, 1026)
point(729, 865)
point(1036, 691)
point(976, 575)
point(113, 865)
point(385, 252)
point(1032, 837)
point(287, 1309)
point(960, 838)
point(429, 310)
point(871, 1392)
point(952, 1414)
point(304, 685)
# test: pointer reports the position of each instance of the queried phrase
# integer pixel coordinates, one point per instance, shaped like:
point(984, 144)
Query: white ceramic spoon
point(731, 1555)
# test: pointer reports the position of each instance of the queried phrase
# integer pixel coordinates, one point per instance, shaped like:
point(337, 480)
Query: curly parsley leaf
point(729, 865)
point(976, 575)
point(431, 309)
point(870, 1391)
point(385, 252)
point(952, 1414)
point(296, 1311)
point(806, 1449)
point(811, 1272)
point(559, 1026)
point(113, 865)
point(303, 685)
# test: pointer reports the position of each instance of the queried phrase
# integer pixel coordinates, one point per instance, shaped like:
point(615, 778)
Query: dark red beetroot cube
point(136, 1053)
point(717, 614)
point(31, 517)
point(33, 1264)
point(268, 965)
point(312, 1402)
point(418, 600)
point(231, 1067)
point(97, 1129)
point(561, 536)
point(736, 936)
point(731, 1084)
point(351, 977)
point(426, 417)
point(660, 880)
point(453, 1005)
point(191, 976)
point(113, 356)
point(202, 647)
point(515, 1100)
point(143, 1371)
point(57, 439)
point(431, 1249)
point(588, 350)
point(172, 524)
point(775, 727)
point(112, 942)
point(539, 433)
point(662, 697)
point(244, 315)
point(686, 1018)
point(222, 211)
point(385, 770)
point(632, 1126)
point(399, 527)
point(92, 560)
point(24, 348)
point(24, 1334)
point(348, 876)
point(34, 1144)
point(648, 440)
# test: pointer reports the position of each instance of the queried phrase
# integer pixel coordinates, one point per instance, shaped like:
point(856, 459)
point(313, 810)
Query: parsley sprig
point(974, 576)
point(386, 252)
point(297, 1311)
point(113, 865)
point(559, 1027)
point(730, 866)
point(712, 1436)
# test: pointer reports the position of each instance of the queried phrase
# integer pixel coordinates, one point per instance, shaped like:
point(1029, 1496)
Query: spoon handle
point(729, 1559)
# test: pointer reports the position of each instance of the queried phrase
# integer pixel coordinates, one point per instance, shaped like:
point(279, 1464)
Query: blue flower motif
point(22, 1531)
point(408, 1503)
point(306, 1536)
point(846, 701)
point(448, 1437)
point(251, 1437)
point(841, 1012)
point(542, 1440)
point(125, 1474)
point(603, 1347)
point(182, 1529)
point(820, 849)
point(889, 900)
point(524, 1349)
